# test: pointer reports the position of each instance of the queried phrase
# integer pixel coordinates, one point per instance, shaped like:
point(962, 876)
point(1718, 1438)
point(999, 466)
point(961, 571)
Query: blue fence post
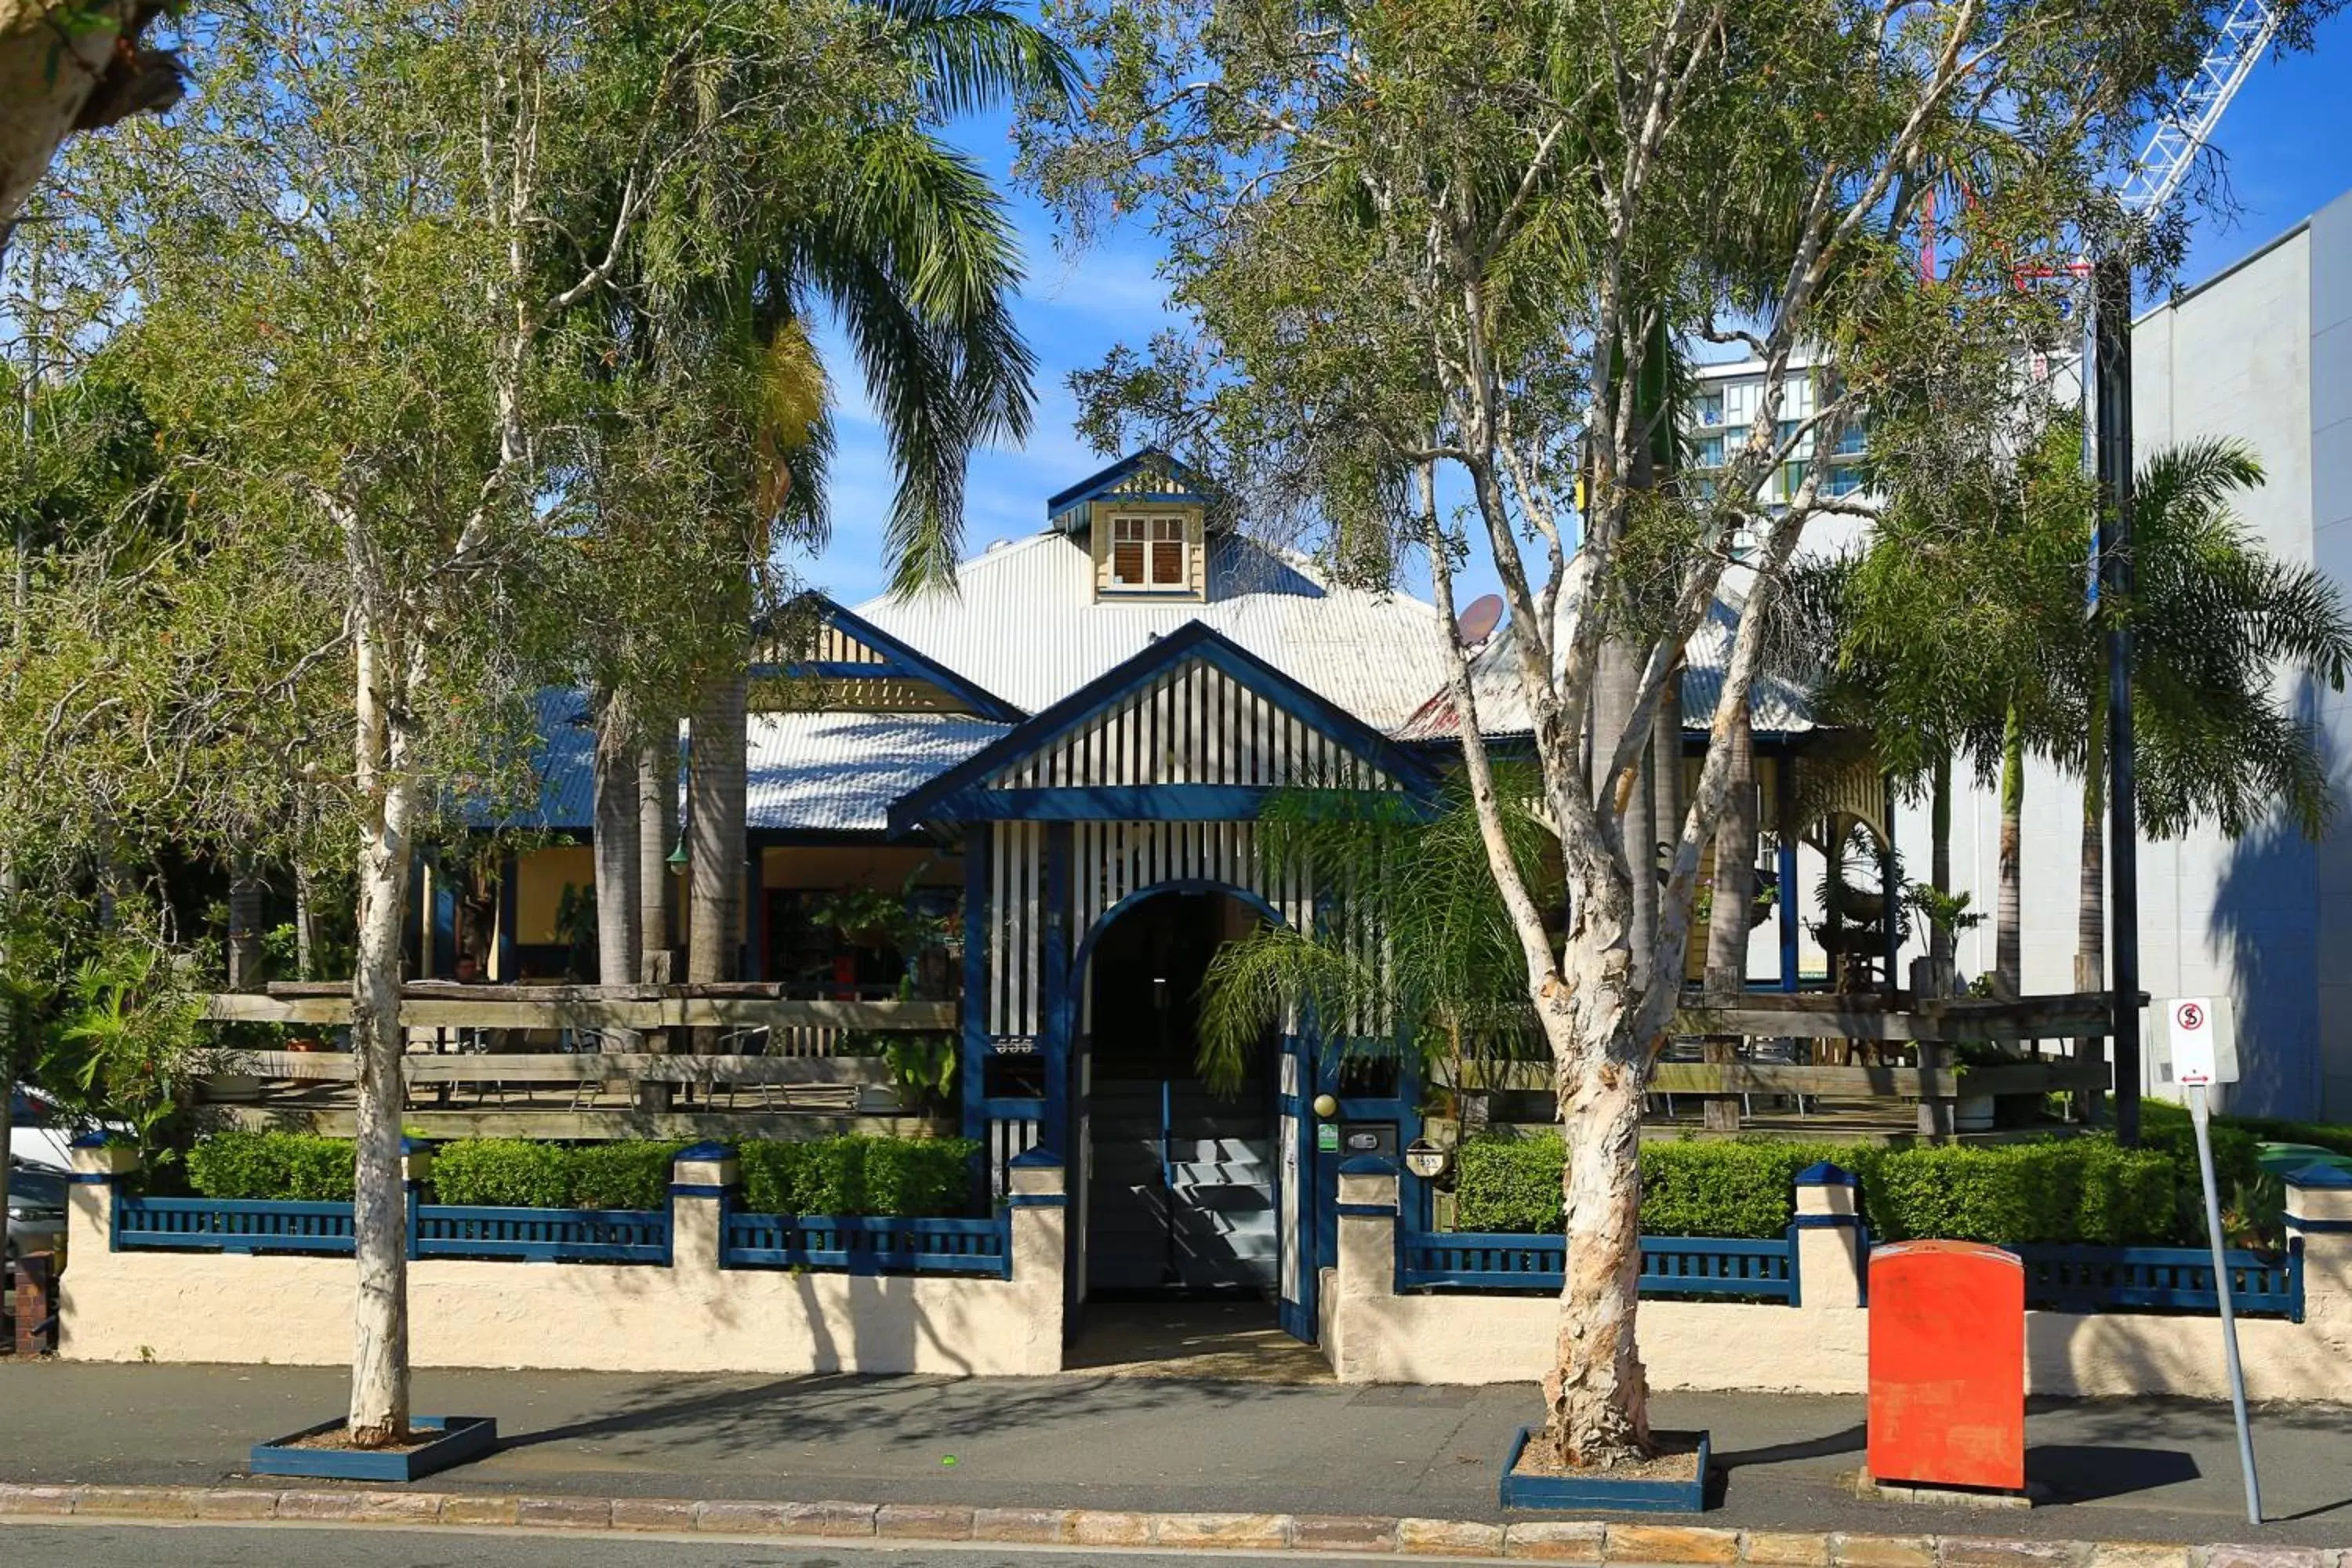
point(700, 1180)
point(1826, 1262)
point(416, 1169)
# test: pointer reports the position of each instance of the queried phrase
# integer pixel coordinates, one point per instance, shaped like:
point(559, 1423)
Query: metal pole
point(2199, 1120)
point(2114, 293)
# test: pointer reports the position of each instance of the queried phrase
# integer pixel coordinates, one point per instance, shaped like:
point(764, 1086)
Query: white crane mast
point(2182, 132)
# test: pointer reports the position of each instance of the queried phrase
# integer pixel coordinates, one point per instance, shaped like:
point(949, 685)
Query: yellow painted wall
point(540, 877)
point(857, 865)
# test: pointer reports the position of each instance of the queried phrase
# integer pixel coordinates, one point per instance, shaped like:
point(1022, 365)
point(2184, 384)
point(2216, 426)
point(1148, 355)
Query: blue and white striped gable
point(1193, 728)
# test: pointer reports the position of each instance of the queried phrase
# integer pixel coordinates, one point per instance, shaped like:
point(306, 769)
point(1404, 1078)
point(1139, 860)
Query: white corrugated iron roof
point(1777, 703)
point(830, 771)
point(838, 771)
point(1024, 622)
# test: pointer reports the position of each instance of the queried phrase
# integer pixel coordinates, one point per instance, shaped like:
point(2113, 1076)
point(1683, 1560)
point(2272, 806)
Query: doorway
point(1180, 1191)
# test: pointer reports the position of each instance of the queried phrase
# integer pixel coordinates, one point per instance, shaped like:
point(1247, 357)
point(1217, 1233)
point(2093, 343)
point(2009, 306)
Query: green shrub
point(1509, 1183)
point(628, 1175)
point(2081, 1189)
point(855, 1175)
point(503, 1172)
point(294, 1166)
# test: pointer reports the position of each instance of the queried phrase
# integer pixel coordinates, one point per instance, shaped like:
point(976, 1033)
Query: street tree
point(68, 66)
point(1432, 256)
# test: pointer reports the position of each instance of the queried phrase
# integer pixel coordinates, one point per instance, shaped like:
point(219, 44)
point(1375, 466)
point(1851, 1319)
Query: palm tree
point(905, 240)
point(1444, 973)
point(2215, 620)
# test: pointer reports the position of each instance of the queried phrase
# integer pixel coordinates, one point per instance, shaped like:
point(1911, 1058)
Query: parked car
point(37, 1215)
point(37, 1132)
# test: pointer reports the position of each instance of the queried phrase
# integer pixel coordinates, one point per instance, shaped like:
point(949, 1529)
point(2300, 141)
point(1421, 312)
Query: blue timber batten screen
point(1147, 780)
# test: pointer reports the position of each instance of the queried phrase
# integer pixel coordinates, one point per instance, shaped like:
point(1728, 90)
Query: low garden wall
point(1408, 1306)
point(700, 1284)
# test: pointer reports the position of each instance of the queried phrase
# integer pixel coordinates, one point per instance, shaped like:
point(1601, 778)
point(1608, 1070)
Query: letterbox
point(1948, 1365)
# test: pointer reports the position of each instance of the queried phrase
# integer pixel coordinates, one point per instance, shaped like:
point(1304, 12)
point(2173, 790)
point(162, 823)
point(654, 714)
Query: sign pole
point(2201, 1121)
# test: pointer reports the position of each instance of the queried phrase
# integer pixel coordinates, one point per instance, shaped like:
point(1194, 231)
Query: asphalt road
point(280, 1546)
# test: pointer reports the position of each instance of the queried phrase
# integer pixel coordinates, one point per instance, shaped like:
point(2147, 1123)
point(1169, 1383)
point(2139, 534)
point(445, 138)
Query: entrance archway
point(1181, 1186)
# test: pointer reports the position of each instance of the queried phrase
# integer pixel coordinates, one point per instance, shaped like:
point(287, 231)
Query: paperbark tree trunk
point(244, 925)
point(1596, 1395)
point(1730, 903)
point(379, 1408)
point(618, 863)
point(2008, 914)
point(656, 832)
point(714, 833)
point(1616, 690)
point(56, 78)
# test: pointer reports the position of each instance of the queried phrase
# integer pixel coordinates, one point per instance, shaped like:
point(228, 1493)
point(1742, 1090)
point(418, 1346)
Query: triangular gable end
point(1193, 727)
point(1150, 475)
point(860, 666)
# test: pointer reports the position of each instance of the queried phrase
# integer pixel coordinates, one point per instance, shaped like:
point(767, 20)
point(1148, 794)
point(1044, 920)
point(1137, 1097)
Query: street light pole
point(2112, 292)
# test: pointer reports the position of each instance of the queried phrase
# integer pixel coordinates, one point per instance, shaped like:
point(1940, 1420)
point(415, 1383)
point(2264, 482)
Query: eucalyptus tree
point(366, 306)
point(68, 66)
point(1446, 238)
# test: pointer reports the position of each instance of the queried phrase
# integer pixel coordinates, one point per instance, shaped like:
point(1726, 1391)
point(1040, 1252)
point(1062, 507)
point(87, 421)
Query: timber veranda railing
point(1861, 1024)
point(588, 1061)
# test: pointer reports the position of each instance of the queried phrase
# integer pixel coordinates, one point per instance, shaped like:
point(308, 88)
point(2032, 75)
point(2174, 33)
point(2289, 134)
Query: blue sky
point(2281, 138)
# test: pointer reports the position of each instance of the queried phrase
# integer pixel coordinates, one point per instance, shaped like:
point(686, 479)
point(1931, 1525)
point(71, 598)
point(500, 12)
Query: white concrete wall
point(140, 1305)
point(2237, 357)
point(1822, 1345)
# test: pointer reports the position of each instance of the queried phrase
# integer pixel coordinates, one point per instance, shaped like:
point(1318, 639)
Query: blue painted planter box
point(464, 1437)
point(1620, 1494)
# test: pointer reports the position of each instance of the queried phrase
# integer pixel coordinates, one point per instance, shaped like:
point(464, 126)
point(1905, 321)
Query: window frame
point(1155, 534)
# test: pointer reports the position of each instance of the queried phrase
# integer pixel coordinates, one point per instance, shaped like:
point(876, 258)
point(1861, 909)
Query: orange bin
point(1948, 1365)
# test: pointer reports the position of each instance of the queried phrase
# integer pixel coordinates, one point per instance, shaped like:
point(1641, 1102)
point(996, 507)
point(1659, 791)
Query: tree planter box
point(463, 1438)
point(1624, 1494)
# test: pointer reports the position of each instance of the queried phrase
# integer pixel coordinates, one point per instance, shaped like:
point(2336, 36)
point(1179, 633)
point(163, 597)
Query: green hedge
point(855, 1175)
point(293, 1167)
point(2082, 1189)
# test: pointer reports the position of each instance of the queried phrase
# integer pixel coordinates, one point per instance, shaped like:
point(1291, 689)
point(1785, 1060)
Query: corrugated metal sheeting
point(1024, 623)
point(840, 772)
point(1777, 699)
point(807, 773)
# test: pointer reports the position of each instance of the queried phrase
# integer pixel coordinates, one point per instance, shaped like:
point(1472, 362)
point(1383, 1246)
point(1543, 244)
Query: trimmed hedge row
point(2079, 1190)
point(905, 1178)
point(851, 1174)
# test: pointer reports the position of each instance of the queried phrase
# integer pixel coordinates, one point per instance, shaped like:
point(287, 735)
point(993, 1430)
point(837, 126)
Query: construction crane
point(2173, 145)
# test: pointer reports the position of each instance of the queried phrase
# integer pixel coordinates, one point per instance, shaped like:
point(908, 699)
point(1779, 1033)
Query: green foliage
point(499, 1172)
point(857, 1175)
point(2083, 1189)
point(294, 1166)
point(1452, 963)
point(625, 1175)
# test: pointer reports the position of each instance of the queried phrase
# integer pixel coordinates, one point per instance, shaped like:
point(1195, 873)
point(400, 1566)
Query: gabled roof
point(1779, 700)
point(1175, 483)
point(895, 661)
point(1023, 621)
point(823, 772)
point(937, 800)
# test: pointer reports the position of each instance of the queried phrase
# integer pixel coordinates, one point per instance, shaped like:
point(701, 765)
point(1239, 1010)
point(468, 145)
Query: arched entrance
point(1180, 1184)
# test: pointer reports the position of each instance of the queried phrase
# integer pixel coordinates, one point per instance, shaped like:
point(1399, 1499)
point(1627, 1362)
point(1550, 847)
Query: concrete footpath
point(2115, 1470)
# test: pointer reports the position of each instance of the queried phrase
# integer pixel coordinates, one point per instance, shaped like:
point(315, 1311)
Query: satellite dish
point(1478, 622)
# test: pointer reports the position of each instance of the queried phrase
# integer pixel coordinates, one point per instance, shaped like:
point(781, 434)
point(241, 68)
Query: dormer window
point(1150, 555)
